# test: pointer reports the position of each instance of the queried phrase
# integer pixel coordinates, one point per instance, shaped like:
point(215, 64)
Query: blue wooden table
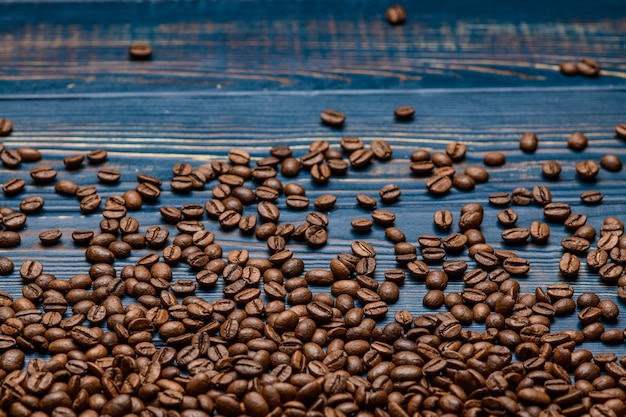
point(253, 75)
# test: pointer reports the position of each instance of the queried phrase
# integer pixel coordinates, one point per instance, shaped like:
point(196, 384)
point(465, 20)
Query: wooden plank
point(60, 47)
point(149, 134)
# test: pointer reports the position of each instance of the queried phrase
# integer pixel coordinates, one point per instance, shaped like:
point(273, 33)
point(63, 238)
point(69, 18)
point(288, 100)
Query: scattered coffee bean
point(333, 118)
point(404, 112)
point(140, 51)
point(528, 142)
point(620, 130)
point(611, 162)
point(551, 170)
point(438, 185)
point(477, 173)
point(494, 159)
point(396, 15)
point(6, 126)
point(587, 170)
point(588, 67)
point(577, 141)
point(6, 265)
point(568, 68)
point(591, 197)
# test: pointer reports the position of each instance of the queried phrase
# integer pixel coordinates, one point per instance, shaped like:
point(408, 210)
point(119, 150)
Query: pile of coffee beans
point(138, 338)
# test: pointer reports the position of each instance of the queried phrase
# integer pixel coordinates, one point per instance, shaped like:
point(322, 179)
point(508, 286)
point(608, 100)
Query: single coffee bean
point(575, 221)
point(477, 173)
point(297, 202)
point(438, 185)
point(542, 195)
point(557, 212)
point(611, 162)
point(463, 182)
point(109, 176)
point(50, 237)
point(73, 161)
point(97, 156)
point(551, 170)
point(587, 170)
point(351, 144)
point(456, 151)
point(381, 149)
point(404, 112)
point(591, 197)
point(422, 167)
point(588, 67)
point(383, 217)
point(586, 232)
point(596, 259)
point(325, 202)
point(568, 68)
point(516, 235)
point(389, 193)
point(14, 221)
point(333, 118)
point(575, 245)
point(443, 219)
point(528, 142)
point(500, 199)
point(140, 52)
point(507, 217)
point(620, 130)
point(361, 225)
point(365, 201)
point(10, 158)
point(43, 174)
point(66, 187)
point(29, 154)
point(539, 232)
point(396, 15)
point(90, 203)
point(6, 265)
point(521, 196)
point(494, 158)
point(6, 126)
point(9, 239)
point(577, 141)
point(441, 159)
point(361, 158)
point(13, 186)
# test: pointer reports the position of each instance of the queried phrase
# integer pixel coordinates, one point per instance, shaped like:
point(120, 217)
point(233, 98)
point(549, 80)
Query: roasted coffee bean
point(441, 159)
point(611, 162)
point(478, 174)
point(396, 15)
point(575, 245)
point(361, 225)
point(395, 235)
point(557, 212)
point(507, 217)
point(6, 126)
point(351, 144)
point(66, 187)
point(297, 202)
point(14, 221)
point(382, 150)
point(539, 232)
point(456, 151)
point(365, 201)
point(405, 112)
point(443, 219)
point(325, 202)
point(316, 236)
point(516, 235)
point(109, 176)
point(389, 193)
point(568, 68)
point(588, 67)
point(333, 118)
point(521, 196)
point(140, 52)
point(591, 197)
point(528, 142)
point(97, 156)
point(438, 185)
point(43, 174)
point(9, 239)
point(587, 170)
point(577, 141)
point(10, 157)
point(542, 195)
point(73, 161)
point(422, 167)
point(463, 182)
point(551, 170)
point(361, 158)
point(320, 174)
point(494, 158)
point(13, 186)
point(500, 199)
point(50, 237)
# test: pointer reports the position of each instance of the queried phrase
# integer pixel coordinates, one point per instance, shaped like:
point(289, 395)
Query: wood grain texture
point(57, 47)
point(150, 133)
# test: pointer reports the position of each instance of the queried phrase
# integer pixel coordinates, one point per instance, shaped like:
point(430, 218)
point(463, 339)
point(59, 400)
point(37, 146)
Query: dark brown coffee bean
point(297, 202)
point(13, 186)
point(404, 112)
point(500, 199)
point(365, 201)
point(587, 170)
point(361, 225)
point(10, 157)
point(90, 203)
point(577, 141)
point(478, 174)
point(539, 232)
point(597, 259)
point(316, 236)
point(438, 185)
point(109, 176)
point(494, 158)
point(50, 237)
point(333, 118)
point(381, 149)
point(14, 221)
point(66, 187)
point(441, 159)
point(591, 197)
point(470, 220)
point(528, 142)
point(97, 156)
point(6, 126)
point(588, 67)
point(9, 239)
point(73, 161)
point(389, 193)
point(463, 182)
point(361, 158)
point(575, 244)
point(443, 219)
point(551, 170)
point(568, 68)
point(320, 174)
point(6, 265)
point(611, 162)
point(521, 196)
point(507, 217)
point(325, 202)
point(542, 195)
point(422, 167)
point(516, 235)
point(43, 174)
point(557, 212)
